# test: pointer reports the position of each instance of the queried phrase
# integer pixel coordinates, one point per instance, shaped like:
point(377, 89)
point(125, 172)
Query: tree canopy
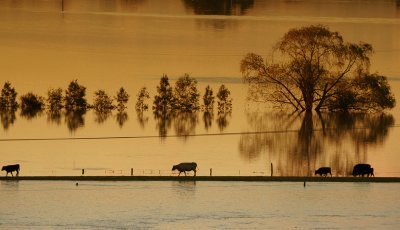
point(316, 70)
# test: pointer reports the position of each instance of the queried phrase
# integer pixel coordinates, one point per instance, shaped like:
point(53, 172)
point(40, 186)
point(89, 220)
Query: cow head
point(174, 167)
point(3, 168)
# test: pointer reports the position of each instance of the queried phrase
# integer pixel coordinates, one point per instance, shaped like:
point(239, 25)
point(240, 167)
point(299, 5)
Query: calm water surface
point(109, 44)
point(200, 205)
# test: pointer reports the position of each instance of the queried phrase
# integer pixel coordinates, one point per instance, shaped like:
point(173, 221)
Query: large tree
point(315, 67)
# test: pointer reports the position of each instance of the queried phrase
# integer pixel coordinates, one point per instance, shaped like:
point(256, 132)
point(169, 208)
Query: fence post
point(131, 171)
point(83, 172)
point(272, 170)
point(210, 171)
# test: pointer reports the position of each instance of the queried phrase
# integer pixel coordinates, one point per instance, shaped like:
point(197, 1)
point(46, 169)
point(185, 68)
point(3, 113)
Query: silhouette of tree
point(315, 64)
point(122, 99)
point(142, 96)
point(208, 100)
point(186, 96)
point(224, 100)
point(102, 102)
point(75, 97)
point(31, 105)
point(164, 100)
point(54, 99)
point(8, 97)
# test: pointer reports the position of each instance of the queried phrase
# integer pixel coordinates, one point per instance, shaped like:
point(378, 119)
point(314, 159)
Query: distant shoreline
point(205, 178)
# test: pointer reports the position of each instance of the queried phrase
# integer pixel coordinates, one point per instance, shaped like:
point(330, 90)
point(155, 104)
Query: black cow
point(323, 171)
point(363, 169)
point(184, 167)
point(10, 169)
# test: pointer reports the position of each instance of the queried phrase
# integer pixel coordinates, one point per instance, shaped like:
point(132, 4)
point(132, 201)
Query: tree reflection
point(7, 117)
point(75, 119)
point(220, 7)
point(102, 116)
point(163, 123)
point(54, 116)
point(207, 119)
point(121, 118)
point(297, 144)
point(185, 123)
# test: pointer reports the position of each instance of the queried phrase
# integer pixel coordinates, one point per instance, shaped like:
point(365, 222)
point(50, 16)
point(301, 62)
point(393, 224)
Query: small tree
point(122, 99)
point(54, 99)
point(75, 97)
point(224, 100)
point(164, 100)
point(142, 96)
point(208, 100)
point(8, 97)
point(186, 94)
point(31, 104)
point(102, 102)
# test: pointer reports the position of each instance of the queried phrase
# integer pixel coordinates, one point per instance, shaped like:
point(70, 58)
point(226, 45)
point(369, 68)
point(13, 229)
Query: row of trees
point(72, 103)
point(183, 97)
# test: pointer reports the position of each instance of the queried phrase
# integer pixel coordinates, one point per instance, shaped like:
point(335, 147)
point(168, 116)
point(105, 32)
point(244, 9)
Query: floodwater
point(200, 205)
point(108, 44)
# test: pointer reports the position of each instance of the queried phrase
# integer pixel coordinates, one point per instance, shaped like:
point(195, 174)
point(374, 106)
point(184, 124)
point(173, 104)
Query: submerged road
point(207, 178)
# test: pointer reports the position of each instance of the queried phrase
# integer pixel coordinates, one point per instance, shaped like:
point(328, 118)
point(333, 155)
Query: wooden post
point(210, 171)
point(131, 171)
point(83, 172)
point(272, 170)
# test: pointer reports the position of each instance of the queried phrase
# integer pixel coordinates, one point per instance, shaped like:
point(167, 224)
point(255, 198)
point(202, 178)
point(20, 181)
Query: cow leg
point(184, 172)
point(195, 172)
point(17, 172)
point(179, 173)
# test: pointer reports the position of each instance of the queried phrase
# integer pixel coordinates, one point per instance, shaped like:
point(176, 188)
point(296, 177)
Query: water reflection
point(101, 5)
point(121, 118)
point(102, 116)
point(219, 7)
point(305, 142)
point(75, 120)
point(7, 117)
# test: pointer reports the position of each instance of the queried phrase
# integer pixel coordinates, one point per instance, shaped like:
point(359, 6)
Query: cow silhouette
point(185, 167)
point(11, 169)
point(363, 169)
point(323, 171)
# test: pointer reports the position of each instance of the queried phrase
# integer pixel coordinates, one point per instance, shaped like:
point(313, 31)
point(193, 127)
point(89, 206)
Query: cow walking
point(185, 167)
point(323, 171)
point(10, 169)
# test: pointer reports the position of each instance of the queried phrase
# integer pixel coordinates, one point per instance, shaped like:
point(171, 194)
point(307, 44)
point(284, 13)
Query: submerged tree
point(8, 97)
point(102, 102)
point(224, 100)
point(164, 100)
point(31, 105)
point(186, 94)
point(54, 99)
point(75, 97)
point(142, 96)
point(314, 65)
point(208, 99)
point(122, 99)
